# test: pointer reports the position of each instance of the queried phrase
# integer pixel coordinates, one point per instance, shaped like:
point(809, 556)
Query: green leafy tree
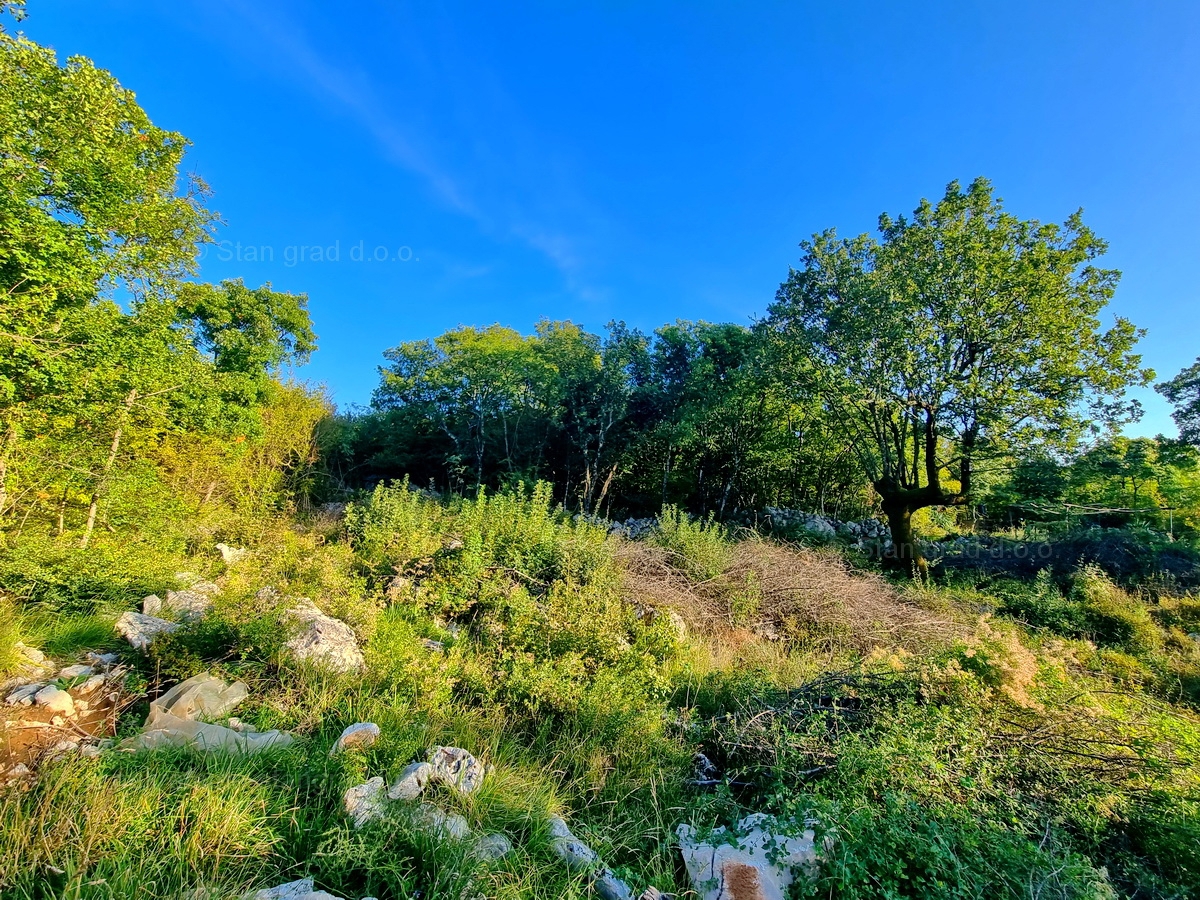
point(963, 334)
point(476, 384)
point(1183, 392)
point(92, 201)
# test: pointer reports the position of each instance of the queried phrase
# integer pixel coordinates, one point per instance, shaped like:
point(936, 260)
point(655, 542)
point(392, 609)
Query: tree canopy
point(962, 334)
point(1183, 391)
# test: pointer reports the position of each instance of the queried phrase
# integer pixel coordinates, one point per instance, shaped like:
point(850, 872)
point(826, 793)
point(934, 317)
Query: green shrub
point(699, 547)
point(10, 635)
point(1113, 617)
point(60, 577)
point(1041, 604)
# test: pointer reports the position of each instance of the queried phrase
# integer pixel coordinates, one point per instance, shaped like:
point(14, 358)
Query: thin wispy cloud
point(503, 211)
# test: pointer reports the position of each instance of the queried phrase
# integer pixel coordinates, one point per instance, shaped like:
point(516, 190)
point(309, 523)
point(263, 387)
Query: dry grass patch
point(769, 591)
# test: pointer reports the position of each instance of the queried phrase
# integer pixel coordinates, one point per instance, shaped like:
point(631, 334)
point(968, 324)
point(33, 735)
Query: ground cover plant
point(946, 753)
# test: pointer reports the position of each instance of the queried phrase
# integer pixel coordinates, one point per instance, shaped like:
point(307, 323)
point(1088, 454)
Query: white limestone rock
point(90, 686)
point(572, 851)
point(23, 695)
point(758, 860)
point(104, 661)
point(448, 825)
point(141, 630)
point(231, 555)
point(365, 802)
point(293, 890)
point(55, 700)
point(411, 783)
point(187, 606)
point(455, 767)
point(491, 847)
point(323, 641)
point(356, 737)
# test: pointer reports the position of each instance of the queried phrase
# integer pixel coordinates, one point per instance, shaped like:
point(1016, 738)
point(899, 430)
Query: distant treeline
point(697, 416)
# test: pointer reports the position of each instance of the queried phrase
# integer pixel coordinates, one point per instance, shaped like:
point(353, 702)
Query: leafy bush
point(699, 547)
point(1040, 603)
point(63, 578)
point(1113, 617)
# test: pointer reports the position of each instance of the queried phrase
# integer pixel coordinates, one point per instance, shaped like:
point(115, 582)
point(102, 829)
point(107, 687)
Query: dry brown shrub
point(791, 593)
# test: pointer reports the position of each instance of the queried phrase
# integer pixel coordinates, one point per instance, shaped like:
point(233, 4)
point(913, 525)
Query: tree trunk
point(94, 506)
point(905, 556)
point(10, 440)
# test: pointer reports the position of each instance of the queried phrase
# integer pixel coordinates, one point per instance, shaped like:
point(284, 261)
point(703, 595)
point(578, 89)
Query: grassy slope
point(951, 755)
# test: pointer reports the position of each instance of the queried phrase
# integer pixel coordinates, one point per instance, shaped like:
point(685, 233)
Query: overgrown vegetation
point(1020, 721)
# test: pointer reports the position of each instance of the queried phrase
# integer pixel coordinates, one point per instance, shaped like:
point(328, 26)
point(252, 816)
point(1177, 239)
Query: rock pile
point(295, 890)
point(159, 616)
point(49, 711)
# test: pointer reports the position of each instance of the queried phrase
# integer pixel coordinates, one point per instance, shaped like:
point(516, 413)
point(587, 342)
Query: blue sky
point(649, 161)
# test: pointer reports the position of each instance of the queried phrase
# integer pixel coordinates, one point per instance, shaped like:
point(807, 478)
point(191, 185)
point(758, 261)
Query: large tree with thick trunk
point(962, 334)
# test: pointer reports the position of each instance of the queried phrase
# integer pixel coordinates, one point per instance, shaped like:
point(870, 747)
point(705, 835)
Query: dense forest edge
point(882, 565)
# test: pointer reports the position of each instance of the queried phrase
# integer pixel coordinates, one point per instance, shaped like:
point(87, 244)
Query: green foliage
point(58, 577)
point(1183, 392)
point(700, 547)
point(10, 635)
point(911, 343)
point(1113, 617)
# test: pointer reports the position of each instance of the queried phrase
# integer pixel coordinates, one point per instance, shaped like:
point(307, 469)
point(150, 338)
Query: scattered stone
point(293, 890)
point(20, 770)
point(23, 696)
point(572, 851)
point(32, 662)
point(653, 893)
point(187, 606)
point(610, 887)
point(33, 654)
point(412, 782)
point(101, 660)
point(230, 555)
point(55, 700)
point(62, 748)
point(324, 641)
point(207, 588)
point(76, 671)
point(141, 630)
point(457, 768)
point(365, 802)
point(58, 721)
point(756, 861)
point(492, 847)
point(152, 605)
point(432, 645)
point(450, 825)
point(578, 856)
point(91, 684)
point(90, 751)
point(82, 706)
point(356, 737)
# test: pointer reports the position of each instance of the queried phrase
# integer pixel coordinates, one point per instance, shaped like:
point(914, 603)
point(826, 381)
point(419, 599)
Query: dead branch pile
point(789, 593)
